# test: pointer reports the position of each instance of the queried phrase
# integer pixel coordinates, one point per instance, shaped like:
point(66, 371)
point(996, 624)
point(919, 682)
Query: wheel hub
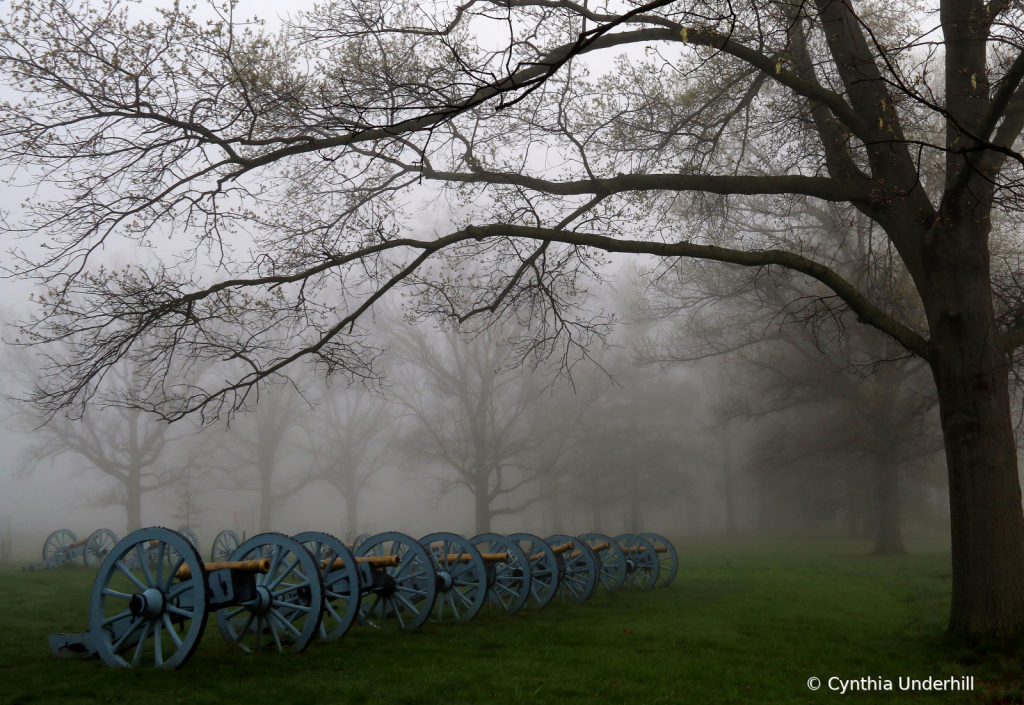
point(445, 581)
point(264, 599)
point(148, 604)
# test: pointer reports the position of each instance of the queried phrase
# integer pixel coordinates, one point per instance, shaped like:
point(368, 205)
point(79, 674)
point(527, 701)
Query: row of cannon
point(153, 594)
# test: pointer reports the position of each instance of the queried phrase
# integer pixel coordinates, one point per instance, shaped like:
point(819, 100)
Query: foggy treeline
point(704, 412)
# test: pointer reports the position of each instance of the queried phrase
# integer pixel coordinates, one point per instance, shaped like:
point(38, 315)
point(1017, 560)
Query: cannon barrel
point(641, 549)
point(80, 542)
point(376, 561)
point(488, 557)
point(596, 549)
point(557, 550)
point(261, 565)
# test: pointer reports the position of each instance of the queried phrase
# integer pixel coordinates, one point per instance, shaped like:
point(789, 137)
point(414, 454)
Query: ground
point(744, 621)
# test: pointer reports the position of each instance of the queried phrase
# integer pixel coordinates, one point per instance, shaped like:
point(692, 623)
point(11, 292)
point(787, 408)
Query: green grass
point(744, 622)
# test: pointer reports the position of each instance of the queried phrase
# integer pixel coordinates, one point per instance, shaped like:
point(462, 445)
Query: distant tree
point(351, 438)
point(636, 448)
point(478, 417)
point(189, 486)
point(125, 445)
point(257, 448)
point(791, 349)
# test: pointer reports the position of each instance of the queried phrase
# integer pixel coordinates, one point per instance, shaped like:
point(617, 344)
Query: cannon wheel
point(612, 560)
point(642, 563)
point(57, 541)
point(289, 606)
point(97, 546)
point(224, 545)
point(166, 619)
point(341, 585)
point(360, 540)
point(192, 539)
point(669, 560)
point(578, 575)
point(543, 570)
point(462, 587)
point(409, 591)
point(509, 583)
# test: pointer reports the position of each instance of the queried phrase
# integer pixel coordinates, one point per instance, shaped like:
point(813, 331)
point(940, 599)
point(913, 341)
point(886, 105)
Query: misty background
point(701, 415)
point(720, 403)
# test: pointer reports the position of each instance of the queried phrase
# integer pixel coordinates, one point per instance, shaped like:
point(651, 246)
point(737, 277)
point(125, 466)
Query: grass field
point(743, 622)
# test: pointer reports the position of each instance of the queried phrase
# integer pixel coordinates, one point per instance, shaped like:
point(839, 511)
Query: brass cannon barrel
point(641, 549)
point(375, 561)
point(80, 542)
point(556, 549)
point(488, 557)
point(596, 549)
point(261, 565)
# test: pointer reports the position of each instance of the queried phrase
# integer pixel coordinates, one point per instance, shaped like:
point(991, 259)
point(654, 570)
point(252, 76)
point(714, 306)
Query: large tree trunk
point(483, 514)
point(889, 532)
point(352, 513)
point(970, 366)
point(133, 503)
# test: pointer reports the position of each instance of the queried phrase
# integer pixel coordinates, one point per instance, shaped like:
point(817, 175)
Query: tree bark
point(987, 523)
point(483, 513)
point(970, 365)
point(352, 513)
point(133, 503)
point(889, 532)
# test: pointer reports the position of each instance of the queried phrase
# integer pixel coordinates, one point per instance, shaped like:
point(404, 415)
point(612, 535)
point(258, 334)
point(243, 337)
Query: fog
point(693, 399)
point(658, 431)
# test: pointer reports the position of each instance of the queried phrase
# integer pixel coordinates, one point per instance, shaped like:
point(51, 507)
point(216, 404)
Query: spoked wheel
point(286, 606)
point(341, 582)
point(404, 594)
point(461, 576)
point(543, 567)
point(578, 569)
point(191, 537)
point(360, 540)
point(224, 545)
point(666, 557)
point(611, 559)
point(142, 615)
point(508, 582)
point(642, 564)
point(97, 546)
point(58, 541)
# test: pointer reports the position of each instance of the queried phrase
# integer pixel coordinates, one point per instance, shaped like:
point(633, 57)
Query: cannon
point(465, 575)
point(147, 611)
point(508, 581)
point(152, 595)
point(544, 569)
point(611, 559)
point(402, 588)
point(390, 577)
point(643, 565)
point(224, 545)
point(578, 567)
point(62, 546)
point(346, 580)
point(97, 546)
point(667, 558)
